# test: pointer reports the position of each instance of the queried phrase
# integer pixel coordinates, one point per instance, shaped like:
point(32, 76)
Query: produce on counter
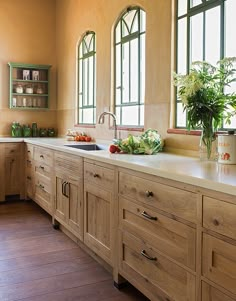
point(149, 143)
point(77, 136)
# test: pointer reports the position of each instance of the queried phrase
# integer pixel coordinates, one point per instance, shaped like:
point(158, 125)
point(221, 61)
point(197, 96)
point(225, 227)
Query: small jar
point(51, 132)
point(43, 132)
point(19, 89)
point(29, 90)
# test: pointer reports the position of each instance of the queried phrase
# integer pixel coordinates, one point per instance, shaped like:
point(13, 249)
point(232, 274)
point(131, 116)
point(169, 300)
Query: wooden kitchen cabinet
point(99, 182)
point(43, 170)
point(68, 206)
point(12, 168)
point(2, 169)
point(29, 171)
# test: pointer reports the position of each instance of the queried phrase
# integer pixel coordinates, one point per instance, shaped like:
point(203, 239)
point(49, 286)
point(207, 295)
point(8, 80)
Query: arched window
point(130, 67)
point(86, 84)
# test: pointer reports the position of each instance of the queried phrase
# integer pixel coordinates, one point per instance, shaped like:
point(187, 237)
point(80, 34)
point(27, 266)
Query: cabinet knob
point(29, 161)
point(41, 186)
point(216, 222)
point(12, 151)
point(41, 156)
point(146, 215)
point(148, 193)
point(28, 177)
point(28, 151)
point(144, 254)
point(95, 175)
point(42, 167)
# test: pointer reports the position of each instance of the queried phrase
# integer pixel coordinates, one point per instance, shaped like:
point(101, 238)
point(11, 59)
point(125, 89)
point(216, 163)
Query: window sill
point(85, 125)
point(135, 129)
point(192, 132)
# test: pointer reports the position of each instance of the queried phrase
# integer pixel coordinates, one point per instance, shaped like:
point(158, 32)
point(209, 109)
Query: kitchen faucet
point(101, 121)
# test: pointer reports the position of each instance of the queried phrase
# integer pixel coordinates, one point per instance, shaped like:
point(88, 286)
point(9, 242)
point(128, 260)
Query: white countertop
point(206, 174)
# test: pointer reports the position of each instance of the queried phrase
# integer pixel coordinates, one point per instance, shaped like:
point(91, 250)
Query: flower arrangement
point(204, 97)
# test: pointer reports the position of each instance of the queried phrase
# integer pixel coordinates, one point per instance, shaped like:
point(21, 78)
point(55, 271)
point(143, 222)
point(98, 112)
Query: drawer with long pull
point(43, 155)
point(43, 169)
point(219, 216)
point(99, 175)
point(168, 236)
point(140, 263)
point(173, 200)
point(43, 193)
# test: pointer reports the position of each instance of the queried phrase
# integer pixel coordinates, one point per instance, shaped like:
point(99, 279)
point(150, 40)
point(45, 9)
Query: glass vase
point(208, 146)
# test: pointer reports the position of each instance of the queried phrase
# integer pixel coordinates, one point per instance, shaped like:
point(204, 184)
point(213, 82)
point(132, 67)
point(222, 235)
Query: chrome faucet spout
point(101, 121)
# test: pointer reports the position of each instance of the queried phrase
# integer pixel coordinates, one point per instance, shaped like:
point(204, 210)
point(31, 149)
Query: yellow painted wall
point(27, 35)
point(74, 17)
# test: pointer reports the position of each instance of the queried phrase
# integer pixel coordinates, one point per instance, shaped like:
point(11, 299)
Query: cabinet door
point(2, 177)
point(73, 191)
point(97, 220)
point(210, 293)
point(61, 202)
point(12, 175)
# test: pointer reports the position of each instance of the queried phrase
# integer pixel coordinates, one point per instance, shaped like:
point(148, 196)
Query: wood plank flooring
point(38, 263)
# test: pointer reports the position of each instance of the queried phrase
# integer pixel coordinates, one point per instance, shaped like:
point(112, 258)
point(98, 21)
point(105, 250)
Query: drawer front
point(99, 175)
point(210, 293)
point(170, 199)
point(219, 216)
point(43, 184)
point(168, 236)
point(43, 169)
point(43, 155)
point(12, 149)
point(139, 262)
point(68, 164)
point(29, 151)
point(219, 262)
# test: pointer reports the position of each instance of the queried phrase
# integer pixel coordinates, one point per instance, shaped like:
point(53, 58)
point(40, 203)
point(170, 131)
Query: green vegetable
point(149, 143)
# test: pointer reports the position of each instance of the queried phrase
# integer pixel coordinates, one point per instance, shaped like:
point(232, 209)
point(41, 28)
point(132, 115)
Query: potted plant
point(204, 96)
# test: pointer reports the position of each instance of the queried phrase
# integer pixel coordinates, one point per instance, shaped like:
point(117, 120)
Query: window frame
point(84, 53)
point(123, 40)
point(201, 8)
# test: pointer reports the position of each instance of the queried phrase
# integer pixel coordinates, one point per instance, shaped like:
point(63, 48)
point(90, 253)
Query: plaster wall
point(27, 35)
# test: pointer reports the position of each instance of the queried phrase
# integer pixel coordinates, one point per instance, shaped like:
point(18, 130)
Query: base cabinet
point(68, 205)
point(98, 209)
point(210, 293)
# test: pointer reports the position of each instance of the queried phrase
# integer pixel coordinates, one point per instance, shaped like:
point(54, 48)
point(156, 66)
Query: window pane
point(125, 75)
point(196, 40)
point(129, 17)
point(118, 74)
point(130, 115)
point(142, 21)
point(135, 24)
point(134, 70)
point(125, 30)
point(90, 81)
point(182, 7)
point(118, 33)
point(117, 112)
point(230, 45)
point(142, 115)
point(180, 116)
point(212, 34)
point(85, 77)
point(87, 115)
point(195, 2)
point(80, 76)
point(142, 68)
point(182, 46)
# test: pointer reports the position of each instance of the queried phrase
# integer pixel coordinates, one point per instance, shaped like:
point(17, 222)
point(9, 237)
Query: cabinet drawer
point(67, 163)
point(43, 155)
point(29, 151)
point(43, 184)
point(219, 262)
point(219, 216)
point(12, 149)
point(210, 293)
point(167, 198)
point(43, 169)
point(168, 236)
point(99, 175)
point(153, 273)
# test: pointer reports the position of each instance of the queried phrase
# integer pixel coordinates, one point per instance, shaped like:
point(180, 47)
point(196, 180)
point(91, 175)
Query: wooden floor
point(38, 263)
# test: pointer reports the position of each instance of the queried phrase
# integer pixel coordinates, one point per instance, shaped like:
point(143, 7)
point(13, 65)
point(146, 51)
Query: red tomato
point(113, 148)
point(87, 138)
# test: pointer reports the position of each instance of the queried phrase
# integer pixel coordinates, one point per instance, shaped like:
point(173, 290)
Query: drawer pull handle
point(144, 254)
point(41, 156)
point(216, 222)
point(28, 178)
point(12, 151)
point(41, 186)
point(42, 167)
point(28, 151)
point(146, 215)
point(148, 193)
point(96, 175)
point(29, 161)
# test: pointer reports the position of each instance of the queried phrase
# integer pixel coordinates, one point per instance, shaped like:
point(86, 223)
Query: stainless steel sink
point(88, 147)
